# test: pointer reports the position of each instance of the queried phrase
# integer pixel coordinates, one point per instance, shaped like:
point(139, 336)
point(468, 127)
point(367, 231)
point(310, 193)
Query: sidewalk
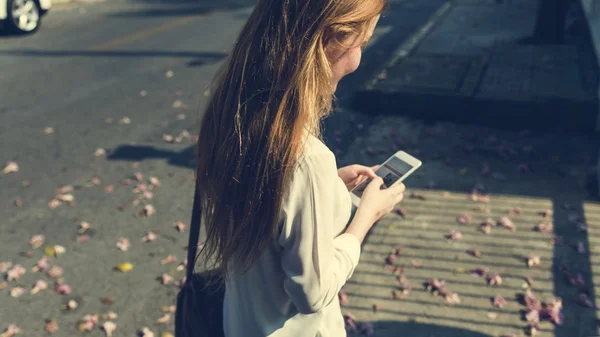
point(524, 174)
point(471, 67)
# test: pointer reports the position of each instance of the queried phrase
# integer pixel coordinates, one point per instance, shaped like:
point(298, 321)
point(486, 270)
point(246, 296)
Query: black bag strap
point(194, 233)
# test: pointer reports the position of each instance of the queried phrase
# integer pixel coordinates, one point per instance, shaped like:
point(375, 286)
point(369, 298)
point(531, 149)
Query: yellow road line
point(142, 34)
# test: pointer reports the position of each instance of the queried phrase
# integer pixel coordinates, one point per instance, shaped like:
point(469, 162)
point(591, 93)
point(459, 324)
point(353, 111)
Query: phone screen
point(391, 171)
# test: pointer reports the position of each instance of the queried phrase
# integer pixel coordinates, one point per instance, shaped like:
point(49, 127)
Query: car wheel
point(23, 16)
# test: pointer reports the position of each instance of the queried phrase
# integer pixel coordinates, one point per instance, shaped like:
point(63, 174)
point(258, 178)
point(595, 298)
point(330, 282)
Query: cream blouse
point(292, 290)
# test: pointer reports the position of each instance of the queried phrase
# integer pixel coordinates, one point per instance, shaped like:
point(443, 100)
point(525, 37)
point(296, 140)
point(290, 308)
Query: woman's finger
point(365, 171)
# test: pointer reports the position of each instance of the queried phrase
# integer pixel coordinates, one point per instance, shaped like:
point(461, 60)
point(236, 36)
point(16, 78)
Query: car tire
point(24, 16)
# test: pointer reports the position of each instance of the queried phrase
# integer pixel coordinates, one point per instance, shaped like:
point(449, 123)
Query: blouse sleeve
point(316, 263)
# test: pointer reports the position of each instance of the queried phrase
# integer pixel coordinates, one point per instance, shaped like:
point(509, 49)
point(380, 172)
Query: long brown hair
point(275, 85)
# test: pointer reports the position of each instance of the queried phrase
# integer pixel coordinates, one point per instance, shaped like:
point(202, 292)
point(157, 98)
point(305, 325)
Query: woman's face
point(347, 60)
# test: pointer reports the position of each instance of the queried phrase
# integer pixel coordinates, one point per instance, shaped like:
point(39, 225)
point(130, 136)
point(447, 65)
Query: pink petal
point(63, 289)
point(499, 301)
point(464, 219)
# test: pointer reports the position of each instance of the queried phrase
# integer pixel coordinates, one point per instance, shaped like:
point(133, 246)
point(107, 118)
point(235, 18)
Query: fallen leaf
point(515, 211)
point(125, 120)
point(83, 227)
point(147, 211)
point(544, 227)
point(474, 253)
point(168, 259)
point(82, 238)
point(168, 308)
point(52, 204)
point(17, 291)
point(55, 272)
point(65, 197)
point(180, 226)
point(18, 202)
point(454, 235)
point(451, 298)
point(5, 266)
point(533, 261)
point(94, 181)
point(168, 138)
point(107, 300)
point(109, 188)
point(72, 305)
point(110, 316)
point(492, 315)
point(145, 332)
point(39, 286)
point(168, 74)
point(494, 279)
point(123, 244)
point(36, 241)
point(167, 334)
point(163, 319)
point(62, 288)
point(154, 181)
point(486, 226)
point(88, 323)
point(507, 223)
point(3, 285)
point(124, 267)
point(100, 152)
point(15, 272)
point(151, 236)
point(11, 331)
point(109, 327)
point(479, 271)
point(464, 219)
point(10, 167)
point(498, 301)
point(49, 130)
point(166, 279)
point(51, 326)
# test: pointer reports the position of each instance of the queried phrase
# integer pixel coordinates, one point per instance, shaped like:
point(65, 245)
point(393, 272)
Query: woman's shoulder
point(316, 155)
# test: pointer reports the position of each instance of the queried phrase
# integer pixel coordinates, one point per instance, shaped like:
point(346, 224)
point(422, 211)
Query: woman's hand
point(355, 174)
point(374, 204)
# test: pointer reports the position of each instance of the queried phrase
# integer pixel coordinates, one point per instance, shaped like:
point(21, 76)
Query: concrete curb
point(591, 10)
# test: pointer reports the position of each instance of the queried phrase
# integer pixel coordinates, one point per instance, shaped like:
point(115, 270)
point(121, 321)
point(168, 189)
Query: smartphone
point(394, 170)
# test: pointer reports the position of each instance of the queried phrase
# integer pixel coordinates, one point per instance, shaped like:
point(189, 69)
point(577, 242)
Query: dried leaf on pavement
point(124, 267)
point(10, 167)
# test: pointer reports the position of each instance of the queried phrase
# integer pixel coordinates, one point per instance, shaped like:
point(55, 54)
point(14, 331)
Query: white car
point(23, 16)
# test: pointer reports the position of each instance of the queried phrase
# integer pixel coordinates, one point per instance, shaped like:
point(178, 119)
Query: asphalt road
point(119, 76)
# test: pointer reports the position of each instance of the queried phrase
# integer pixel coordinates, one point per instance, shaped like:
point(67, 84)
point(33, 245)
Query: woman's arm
point(316, 264)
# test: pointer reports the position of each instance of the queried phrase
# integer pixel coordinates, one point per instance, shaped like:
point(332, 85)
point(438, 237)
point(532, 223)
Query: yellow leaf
point(124, 267)
point(459, 271)
point(166, 334)
point(50, 251)
point(81, 326)
point(391, 228)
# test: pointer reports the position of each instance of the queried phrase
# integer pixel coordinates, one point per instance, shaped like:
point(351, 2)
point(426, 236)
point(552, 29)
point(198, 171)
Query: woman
point(276, 205)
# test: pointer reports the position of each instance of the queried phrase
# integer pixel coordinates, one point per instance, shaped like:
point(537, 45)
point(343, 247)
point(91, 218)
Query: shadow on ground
point(184, 8)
